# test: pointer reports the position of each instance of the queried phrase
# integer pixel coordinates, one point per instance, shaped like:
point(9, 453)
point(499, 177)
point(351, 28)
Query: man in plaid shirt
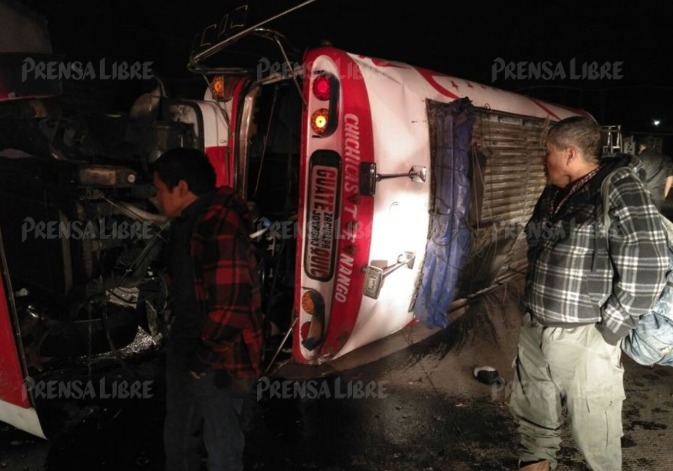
point(214, 346)
point(583, 295)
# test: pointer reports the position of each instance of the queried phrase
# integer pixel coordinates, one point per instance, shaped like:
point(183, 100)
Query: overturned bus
point(385, 194)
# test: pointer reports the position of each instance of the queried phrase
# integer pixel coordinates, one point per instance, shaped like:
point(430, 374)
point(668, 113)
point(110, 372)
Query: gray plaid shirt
point(573, 280)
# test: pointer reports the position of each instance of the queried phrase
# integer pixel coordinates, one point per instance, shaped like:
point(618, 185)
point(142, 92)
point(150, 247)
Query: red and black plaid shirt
point(227, 288)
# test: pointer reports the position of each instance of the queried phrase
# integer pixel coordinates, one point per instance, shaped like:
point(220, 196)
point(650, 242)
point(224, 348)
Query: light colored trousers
point(573, 368)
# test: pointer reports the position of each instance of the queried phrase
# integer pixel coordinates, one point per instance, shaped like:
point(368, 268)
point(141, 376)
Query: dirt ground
point(409, 403)
point(440, 418)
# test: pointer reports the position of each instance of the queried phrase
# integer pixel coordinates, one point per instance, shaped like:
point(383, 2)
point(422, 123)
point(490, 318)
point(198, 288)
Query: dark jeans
point(200, 416)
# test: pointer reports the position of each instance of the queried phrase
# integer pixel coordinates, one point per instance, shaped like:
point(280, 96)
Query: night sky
point(473, 40)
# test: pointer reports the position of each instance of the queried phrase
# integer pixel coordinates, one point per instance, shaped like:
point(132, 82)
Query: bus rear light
point(322, 87)
point(325, 94)
point(313, 331)
point(217, 87)
point(320, 121)
point(311, 302)
point(304, 329)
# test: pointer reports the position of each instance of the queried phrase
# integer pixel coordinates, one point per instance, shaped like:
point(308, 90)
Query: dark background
point(460, 39)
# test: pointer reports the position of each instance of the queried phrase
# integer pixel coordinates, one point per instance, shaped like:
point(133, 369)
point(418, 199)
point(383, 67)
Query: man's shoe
point(539, 466)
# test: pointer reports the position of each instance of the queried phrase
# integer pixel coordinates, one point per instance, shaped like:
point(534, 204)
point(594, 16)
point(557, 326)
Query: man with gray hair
point(583, 295)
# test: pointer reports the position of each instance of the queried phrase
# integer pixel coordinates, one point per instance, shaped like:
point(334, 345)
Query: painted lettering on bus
point(325, 189)
point(343, 280)
point(322, 222)
point(351, 154)
point(319, 264)
point(351, 160)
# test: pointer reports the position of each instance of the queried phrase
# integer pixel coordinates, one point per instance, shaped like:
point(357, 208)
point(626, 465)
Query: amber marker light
point(307, 303)
point(217, 87)
point(319, 121)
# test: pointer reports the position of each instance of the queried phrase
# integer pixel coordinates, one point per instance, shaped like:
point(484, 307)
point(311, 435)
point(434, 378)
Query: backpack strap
point(605, 189)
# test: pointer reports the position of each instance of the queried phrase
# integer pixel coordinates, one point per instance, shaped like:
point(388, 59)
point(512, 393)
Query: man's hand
point(669, 184)
point(196, 375)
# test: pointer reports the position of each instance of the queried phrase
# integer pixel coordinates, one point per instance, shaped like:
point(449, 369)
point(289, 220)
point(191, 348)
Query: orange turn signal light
point(320, 121)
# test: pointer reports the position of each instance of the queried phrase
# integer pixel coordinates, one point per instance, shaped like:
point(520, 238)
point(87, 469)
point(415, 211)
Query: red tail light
point(322, 87)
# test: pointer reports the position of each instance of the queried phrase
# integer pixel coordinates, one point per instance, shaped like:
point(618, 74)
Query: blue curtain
point(449, 242)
